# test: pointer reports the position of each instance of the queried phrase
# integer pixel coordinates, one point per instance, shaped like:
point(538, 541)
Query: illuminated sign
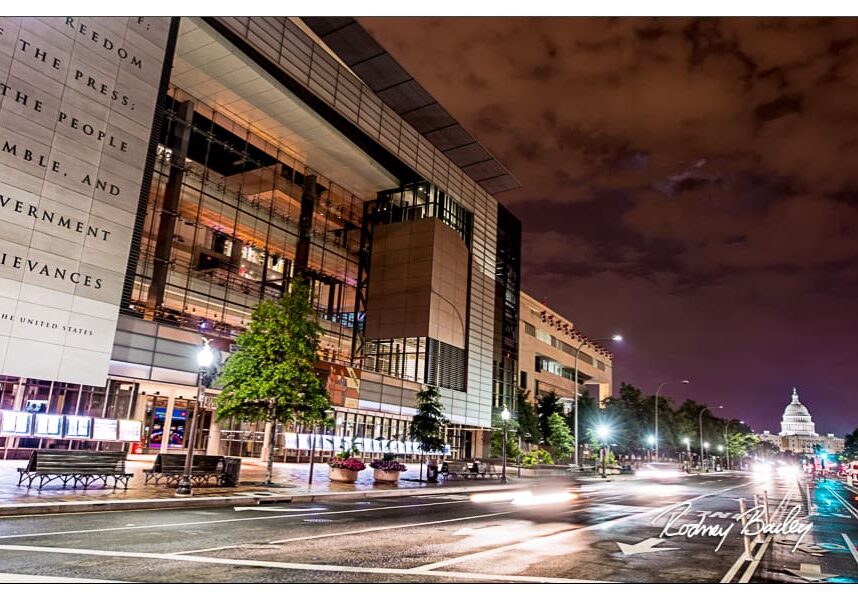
point(49, 426)
point(79, 98)
point(130, 431)
point(15, 423)
point(78, 427)
point(105, 429)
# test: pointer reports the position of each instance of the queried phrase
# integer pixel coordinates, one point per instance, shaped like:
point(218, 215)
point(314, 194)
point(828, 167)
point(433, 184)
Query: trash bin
point(231, 471)
point(432, 470)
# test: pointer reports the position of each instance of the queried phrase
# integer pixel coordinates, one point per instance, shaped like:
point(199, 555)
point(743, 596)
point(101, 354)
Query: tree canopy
point(427, 426)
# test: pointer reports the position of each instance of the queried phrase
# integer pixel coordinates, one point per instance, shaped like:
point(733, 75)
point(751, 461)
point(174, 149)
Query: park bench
point(489, 470)
point(455, 470)
point(171, 467)
point(79, 466)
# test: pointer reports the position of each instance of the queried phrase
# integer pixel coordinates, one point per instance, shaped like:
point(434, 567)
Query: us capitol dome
point(797, 419)
point(798, 433)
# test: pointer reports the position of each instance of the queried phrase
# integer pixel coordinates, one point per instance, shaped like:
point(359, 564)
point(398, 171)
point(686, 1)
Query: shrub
point(537, 456)
point(388, 465)
point(352, 464)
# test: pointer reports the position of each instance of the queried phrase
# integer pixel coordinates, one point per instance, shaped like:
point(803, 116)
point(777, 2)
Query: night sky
point(692, 183)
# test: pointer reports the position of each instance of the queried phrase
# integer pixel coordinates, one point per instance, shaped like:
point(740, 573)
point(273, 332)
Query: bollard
point(766, 505)
point(809, 507)
point(746, 539)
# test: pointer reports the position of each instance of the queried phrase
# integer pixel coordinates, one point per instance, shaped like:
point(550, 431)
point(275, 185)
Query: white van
point(852, 472)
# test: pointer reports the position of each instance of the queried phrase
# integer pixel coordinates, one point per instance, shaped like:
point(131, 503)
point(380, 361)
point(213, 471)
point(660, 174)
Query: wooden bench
point(79, 466)
point(171, 467)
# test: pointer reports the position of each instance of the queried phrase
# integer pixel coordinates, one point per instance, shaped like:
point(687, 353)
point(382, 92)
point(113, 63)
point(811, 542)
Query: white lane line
point(292, 566)
point(749, 572)
point(217, 521)
point(845, 504)
point(352, 532)
point(24, 578)
point(851, 546)
point(569, 532)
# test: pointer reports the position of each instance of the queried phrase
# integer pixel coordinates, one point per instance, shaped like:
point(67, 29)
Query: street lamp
point(328, 414)
point(700, 418)
point(505, 417)
point(615, 338)
point(205, 358)
point(651, 441)
point(683, 382)
point(602, 432)
point(727, 442)
point(687, 441)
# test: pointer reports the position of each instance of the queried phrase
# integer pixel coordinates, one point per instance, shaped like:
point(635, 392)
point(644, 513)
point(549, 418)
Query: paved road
point(611, 534)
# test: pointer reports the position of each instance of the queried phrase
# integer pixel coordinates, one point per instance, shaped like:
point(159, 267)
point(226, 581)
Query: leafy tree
point(528, 423)
point(850, 445)
point(739, 443)
point(272, 376)
point(546, 405)
point(559, 438)
point(427, 426)
point(537, 456)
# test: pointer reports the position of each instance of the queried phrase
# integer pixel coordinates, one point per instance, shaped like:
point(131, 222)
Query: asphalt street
point(680, 530)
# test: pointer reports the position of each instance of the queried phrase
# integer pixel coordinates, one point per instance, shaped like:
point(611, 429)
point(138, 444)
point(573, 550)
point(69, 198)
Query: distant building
point(798, 433)
point(548, 346)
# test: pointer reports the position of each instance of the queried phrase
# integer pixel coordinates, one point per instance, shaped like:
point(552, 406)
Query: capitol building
point(798, 433)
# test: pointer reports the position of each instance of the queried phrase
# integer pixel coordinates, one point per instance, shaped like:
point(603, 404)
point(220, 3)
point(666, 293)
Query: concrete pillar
point(213, 446)
point(265, 444)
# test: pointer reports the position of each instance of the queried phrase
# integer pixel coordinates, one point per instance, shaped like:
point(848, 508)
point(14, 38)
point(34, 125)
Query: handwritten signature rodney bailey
point(754, 523)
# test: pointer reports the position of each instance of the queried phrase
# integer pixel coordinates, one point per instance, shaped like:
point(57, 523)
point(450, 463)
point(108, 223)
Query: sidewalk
point(290, 479)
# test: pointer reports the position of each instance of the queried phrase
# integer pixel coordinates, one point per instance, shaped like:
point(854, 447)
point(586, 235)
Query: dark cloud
point(690, 181)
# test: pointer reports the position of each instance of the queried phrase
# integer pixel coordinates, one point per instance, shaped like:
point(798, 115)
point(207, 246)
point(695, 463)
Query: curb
point(86, 506)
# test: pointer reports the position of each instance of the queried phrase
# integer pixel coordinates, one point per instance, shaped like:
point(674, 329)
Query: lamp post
point(602, 432)
point(505, 417)
point(615, 338)
point(651, 441)
point(687, 441)
point(727, 442)
point(657, 391)
point(205, 357)
point(328, 413)
point(700, 418)
point(704, 453)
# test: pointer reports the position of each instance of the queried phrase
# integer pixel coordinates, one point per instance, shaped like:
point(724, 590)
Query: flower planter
point(344, 475)
point(383, 476)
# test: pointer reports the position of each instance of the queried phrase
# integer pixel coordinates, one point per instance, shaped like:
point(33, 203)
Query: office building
point(162, 176)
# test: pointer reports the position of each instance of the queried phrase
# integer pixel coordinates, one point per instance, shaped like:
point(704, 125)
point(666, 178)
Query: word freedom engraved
point(77, 101)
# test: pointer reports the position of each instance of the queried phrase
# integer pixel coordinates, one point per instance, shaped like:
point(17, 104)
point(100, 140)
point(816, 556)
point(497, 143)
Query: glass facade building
point(273, 153)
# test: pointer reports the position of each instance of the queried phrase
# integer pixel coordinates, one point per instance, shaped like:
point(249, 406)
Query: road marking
point(644, 547)
point(274, 509)
point(217, 521)
point(573, 531)
point(851, 547)
point(352, 532)
point(810, 572)
point(24, 578)
point(294, 566)
point(845, 504)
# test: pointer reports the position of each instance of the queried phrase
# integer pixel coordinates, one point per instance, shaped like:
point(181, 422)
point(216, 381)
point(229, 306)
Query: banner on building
point(78, 99)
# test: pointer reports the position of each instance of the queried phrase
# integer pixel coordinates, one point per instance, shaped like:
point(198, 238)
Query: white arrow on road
point(810, 572)
point(275, 509)
point(648, 545)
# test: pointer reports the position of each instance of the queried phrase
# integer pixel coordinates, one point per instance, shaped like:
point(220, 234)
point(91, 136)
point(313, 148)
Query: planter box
point(345, 475)
point(386, 476)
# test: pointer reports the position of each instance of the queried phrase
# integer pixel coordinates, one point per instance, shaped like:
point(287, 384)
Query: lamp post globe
point(603, 432)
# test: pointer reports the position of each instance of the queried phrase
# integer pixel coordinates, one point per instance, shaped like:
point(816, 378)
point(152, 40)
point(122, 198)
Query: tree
point(562, 442)
point(528, 423)
point(850, 445)
point(546, 405)
point(272, 376)
point(427, 426)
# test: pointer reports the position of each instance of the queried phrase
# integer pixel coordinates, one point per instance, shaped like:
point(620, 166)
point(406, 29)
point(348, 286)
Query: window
point(529, 329)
